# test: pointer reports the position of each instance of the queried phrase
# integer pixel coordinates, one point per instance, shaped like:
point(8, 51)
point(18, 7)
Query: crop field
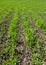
point(22, 32)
